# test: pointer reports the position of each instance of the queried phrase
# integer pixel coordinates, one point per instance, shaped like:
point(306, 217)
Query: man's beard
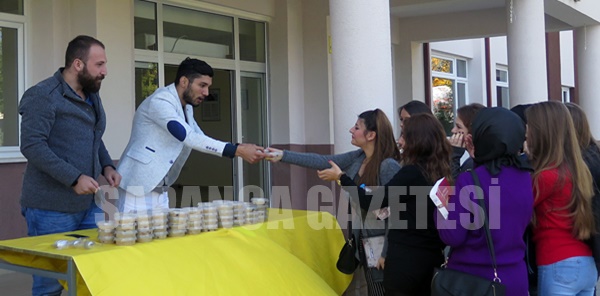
point(188, 97)
point(88, 83)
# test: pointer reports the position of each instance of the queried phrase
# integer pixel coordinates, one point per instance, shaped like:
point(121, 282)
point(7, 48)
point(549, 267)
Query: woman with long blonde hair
point(563, 217)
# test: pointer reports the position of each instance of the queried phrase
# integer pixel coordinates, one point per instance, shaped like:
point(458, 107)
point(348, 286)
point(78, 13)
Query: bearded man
point(62, 123)
point(163, 135)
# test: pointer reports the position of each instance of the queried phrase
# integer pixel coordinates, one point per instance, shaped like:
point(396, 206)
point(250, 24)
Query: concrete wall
point(316, 78)
point(12, 223)
point(117, 92)
point(299, 85)
point(279, 76)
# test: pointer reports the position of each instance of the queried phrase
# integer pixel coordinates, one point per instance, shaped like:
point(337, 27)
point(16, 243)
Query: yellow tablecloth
point(292, 254)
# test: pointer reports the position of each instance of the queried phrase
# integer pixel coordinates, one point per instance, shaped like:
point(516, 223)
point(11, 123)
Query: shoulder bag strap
point(488, 234)
point(350, 240)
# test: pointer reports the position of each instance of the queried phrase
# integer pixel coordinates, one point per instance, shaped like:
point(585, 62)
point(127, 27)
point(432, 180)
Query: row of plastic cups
point(193, 210)
point(129, 238)
point(207, 208)
point(132, 236)
point(141, 216)
point(108, 226)
point(116, 236)
point(179, 222)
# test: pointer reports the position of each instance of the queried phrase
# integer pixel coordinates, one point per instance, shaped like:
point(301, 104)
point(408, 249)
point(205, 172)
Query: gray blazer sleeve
point(388, 169)
point(318, 161)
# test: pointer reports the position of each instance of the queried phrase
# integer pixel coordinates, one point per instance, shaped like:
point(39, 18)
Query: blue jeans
point(571, 276)
point(40, 222)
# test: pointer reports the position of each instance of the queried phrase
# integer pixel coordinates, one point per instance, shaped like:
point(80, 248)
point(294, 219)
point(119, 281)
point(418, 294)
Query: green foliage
point(441, 65)
point(150, 80)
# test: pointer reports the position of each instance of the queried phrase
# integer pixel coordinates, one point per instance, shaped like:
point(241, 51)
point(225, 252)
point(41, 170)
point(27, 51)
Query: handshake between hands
point(274, 155)
point(252, 153)
point(330, 174)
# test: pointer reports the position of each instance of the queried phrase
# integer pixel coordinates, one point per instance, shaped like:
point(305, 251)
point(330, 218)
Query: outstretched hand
point(250, 152)
point(330, 174)
point(273, 154)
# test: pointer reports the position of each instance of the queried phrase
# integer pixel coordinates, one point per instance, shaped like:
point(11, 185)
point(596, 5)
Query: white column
point(588, 62)
point(526, 40)
point(361, 63)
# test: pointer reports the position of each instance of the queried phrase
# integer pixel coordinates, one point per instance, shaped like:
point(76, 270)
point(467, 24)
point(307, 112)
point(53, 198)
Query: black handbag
point(347, 261)
point(448, 282)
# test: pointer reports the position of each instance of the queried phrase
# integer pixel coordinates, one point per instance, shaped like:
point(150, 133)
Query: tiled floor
point(15, 284)
point(19, 284)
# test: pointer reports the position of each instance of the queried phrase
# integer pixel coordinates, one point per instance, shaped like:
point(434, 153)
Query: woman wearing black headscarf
point(495, 139)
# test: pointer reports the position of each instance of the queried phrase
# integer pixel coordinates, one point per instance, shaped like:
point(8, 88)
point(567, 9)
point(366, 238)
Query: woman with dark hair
point(563, 190)
point(373, 164)
point(587, 143)
point(591, 157)
point(414, 244)
point(412, 108)
point(493, 141)
point(464, 117)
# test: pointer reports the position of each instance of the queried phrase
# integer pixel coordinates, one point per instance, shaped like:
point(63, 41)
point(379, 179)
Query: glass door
point(255, 179)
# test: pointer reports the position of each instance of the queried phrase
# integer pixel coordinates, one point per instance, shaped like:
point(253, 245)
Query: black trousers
point(408, 270)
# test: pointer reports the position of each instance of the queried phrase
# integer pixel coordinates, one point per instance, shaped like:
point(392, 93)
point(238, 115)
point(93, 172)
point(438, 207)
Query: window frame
point(452, 76)
point(565, 94)
point(12, 154)
point(499, 83)
point(236, 64)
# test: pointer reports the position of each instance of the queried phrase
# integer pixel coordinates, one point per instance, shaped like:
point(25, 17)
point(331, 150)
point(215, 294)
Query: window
point(252, 41)
point(12, 6)
point(146, 80)
point(502, 97)
point(145, 25)
point(11, 78)
point(566, 94)
point(449, 82)
point(194, 32)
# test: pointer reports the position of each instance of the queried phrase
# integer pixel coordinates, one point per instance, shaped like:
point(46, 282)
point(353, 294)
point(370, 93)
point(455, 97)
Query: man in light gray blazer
point(163, 135)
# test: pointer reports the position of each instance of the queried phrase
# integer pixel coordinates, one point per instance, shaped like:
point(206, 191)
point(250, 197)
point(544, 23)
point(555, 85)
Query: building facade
point(295, 73)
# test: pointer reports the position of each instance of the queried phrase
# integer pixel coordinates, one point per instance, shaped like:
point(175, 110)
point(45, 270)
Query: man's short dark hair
point(192, 69)
point(79, 48)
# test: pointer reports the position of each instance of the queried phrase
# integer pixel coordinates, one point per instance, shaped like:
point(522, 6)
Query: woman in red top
point(563, 216)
